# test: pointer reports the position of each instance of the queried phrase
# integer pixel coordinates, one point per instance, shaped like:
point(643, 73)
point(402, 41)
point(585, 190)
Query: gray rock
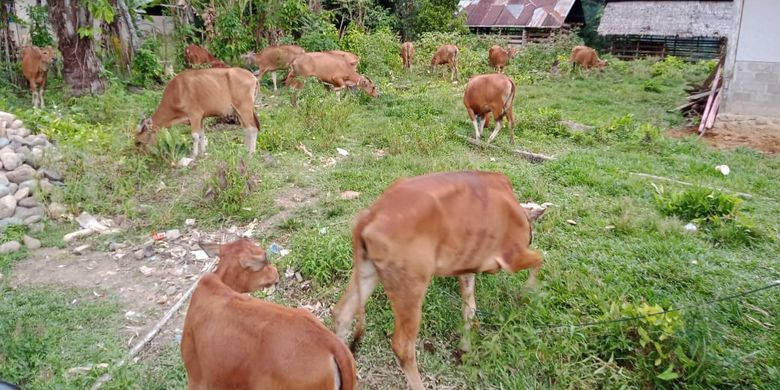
point(172, 234)
point(10, 247)
point(29, 201)
point(9, 222)
point(4, 190)
point(38, 140)
point(23, 132)
point(3, 180)
point(80, 250)
point(4, 141)
point(13, 187)
point(16, 124)
point(34, 158)
point(115, 246)
point(18, 139)
point(31, 184)
point(56, 210)
point(37, 227)
point(139, 254)
point(33, 219)
point(46, 186)
point(7, 117)
point(22, 193)
point(27, 212)
point(53, 175)
point(20, 174)
point(7, 206)
point(31, 243)
point(10, 159)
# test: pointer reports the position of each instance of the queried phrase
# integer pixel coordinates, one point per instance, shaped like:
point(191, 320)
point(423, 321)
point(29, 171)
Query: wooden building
point(522, 21)
point(688, 29)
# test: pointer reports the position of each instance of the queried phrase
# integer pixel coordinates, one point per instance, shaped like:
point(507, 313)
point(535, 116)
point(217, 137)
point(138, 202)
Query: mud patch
point(734, 135)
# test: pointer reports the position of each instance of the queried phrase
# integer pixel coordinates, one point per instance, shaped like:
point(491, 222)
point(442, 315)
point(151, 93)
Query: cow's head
point(368, 86)
point(243, 266)
point(249, 59)
point(601, 64)
point(48, 56)
point(144, 134)
point(511, 51)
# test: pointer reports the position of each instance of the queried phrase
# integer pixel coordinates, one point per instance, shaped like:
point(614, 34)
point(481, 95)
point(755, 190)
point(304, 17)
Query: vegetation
point(627, 255)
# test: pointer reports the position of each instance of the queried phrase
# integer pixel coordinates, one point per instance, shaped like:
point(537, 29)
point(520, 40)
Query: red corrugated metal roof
point(515, 13)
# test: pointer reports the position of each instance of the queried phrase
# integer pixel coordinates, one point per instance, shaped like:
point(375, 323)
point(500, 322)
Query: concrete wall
point(753, 63)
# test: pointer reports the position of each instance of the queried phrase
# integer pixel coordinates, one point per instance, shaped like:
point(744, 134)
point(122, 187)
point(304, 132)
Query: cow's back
point(215, 90)
point(481, 91)
point(460, 219)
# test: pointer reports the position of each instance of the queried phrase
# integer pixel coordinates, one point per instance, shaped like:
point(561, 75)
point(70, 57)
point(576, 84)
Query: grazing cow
point(490, 93)
point(442, 224)
point(446, 54)
point(273, 58)
point(331, 69)
point(352, 59)
point(234, 341)
point(196, 55)
point(586, 57)
point(35, 67)
point(201, 93)
point(407, 54)
point(499, 57)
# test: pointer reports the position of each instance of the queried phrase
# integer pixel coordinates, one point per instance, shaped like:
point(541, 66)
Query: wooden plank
point(707, 108)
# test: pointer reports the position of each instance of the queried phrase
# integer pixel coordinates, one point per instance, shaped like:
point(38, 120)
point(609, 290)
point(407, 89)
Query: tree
point(72, 21)
point(122, 34)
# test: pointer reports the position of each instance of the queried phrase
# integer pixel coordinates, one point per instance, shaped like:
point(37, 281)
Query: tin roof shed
point(522, 13)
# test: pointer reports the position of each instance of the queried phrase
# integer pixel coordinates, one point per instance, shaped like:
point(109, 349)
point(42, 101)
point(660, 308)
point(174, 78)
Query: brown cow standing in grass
point(273, 58)
point(351, 58)
point(407, 54)
point(196, 94)
point(446, 55)
point(35, 67)
point(490, 93)
point(586, 57)
point(499, 57)
point(331, 69)
point(442, 224)
point(234, 341)
point(196, 55)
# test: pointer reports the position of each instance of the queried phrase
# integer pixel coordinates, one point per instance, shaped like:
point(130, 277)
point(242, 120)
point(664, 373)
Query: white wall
point(759, 37)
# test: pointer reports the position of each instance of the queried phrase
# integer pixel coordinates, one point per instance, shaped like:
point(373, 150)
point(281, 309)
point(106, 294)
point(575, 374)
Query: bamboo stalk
point(707, 108)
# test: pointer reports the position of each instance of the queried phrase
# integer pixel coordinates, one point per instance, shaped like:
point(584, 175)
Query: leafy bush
point(233, 34)
point(621, 129)
point(39, 26)
point(146, 65)
point(320, 36)
point(378, 50)
point(651, 85)
point(669, 66)
point(542, 121)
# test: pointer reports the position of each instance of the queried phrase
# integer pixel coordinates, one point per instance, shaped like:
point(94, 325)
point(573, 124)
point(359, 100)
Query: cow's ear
point(534, 211)
point(211, 248)
point(254, 262)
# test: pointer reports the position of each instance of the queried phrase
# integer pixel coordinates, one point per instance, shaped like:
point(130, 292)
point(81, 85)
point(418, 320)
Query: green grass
point(590, 273)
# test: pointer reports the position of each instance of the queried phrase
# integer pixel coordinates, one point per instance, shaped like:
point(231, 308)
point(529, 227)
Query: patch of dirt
point(733, 135)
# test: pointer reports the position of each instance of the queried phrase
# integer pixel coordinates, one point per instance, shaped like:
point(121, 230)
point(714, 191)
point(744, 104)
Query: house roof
point(667, 18)
point(516, 13)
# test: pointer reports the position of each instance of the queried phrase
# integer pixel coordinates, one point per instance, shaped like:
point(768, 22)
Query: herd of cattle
point(440, 224)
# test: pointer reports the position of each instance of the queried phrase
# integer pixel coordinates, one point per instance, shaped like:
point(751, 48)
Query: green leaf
point(669, 374)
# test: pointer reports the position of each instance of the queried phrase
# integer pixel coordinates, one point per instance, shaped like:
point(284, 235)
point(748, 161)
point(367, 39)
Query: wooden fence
point(636, 46)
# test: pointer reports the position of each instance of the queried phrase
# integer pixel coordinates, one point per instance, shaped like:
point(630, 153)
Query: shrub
point(146, 64)
point(171, 146)
point(39, 26)
point(378, 50)
point(669, 66)
point(233, 34)
point(651, 85)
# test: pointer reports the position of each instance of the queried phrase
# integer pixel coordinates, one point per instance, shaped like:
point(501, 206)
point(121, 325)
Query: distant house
point(752, 69)
point(522, 21)
point(687, 29)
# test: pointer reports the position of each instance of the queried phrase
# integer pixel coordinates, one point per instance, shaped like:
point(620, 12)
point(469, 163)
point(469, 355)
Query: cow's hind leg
point(196, 123)
point(469, 308)
point(407, 302)
point(361, 285)
point(273, 77)
point(499, 123)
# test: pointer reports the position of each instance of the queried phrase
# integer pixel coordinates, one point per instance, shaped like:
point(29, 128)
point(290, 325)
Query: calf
point(486, 94)
point(200, 93)
point(35, 67)
point(442, 224)
point(196, 55)
point(351, 58)
point(447, 54)
point(499, 57)
point(234, 341)
point(407, 54)
point(273, 58)
point(331, 69)
point(586, 57)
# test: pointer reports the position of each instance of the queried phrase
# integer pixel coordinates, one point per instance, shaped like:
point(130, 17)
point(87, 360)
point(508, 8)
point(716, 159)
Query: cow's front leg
point(467, 283)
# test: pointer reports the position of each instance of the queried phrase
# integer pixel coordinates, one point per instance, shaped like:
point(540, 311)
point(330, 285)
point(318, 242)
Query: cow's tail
point(358, 257)
point(346, 367)
point(509, 100)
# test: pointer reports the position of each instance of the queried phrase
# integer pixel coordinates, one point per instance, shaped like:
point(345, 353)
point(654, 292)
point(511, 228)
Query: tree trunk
point(122, 36)
point(80, 65)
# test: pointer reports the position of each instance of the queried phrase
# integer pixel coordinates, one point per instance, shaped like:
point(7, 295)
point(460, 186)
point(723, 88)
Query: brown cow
point(196, 55)
point(586, 57)
point(407, 54)
point(273, 58)
point(234, 341)
point(446, 54)
point(499, 57)
point(332, 70)
point(200, 93)
point(442, 224)
point(35, 67)
point(490, 93)
point(352, 59)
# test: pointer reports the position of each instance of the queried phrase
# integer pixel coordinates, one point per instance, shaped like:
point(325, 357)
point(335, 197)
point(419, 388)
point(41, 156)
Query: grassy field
point(627, 252)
